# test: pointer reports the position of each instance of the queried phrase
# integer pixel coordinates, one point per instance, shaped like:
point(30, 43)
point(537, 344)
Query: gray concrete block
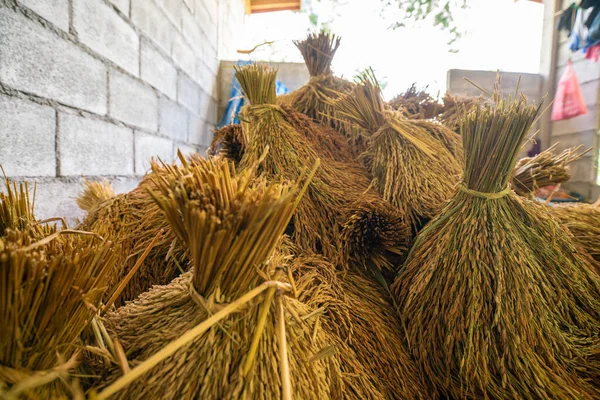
point(183, 55)
point(157, 70)
point(206, 78)
point(122, 5)
point(100, 28)
point(582, 123)
point(200, 133)
point(586, 139)
point(173, 9)
point(190, 5)
point(148, 147)
point(35, 60)
point(148, 17)
point(27, 137)
point(188, 92)
point(193, 33)
point(207, 23)
point(173, 119)
point(54, 11)
point(211, 7)
point(132, 102)
point(186, 150)
point(92, 147)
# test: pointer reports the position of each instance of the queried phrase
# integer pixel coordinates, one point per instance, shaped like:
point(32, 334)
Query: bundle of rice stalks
point(16, 210)
point(417, 104)
point(452, 106)
point(545, 169)
point(375, 236)
point(366, 330)
point(411, 167)
point(94, 193)
point(497, 301)
point(135, 222)
point(232, 346)
point(337, 186)
point(583, 221)
point(51, 289)
point(229, 142)
point(315, 99)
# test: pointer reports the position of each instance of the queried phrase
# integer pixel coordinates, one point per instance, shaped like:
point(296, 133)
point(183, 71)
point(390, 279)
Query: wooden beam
point(258, 6)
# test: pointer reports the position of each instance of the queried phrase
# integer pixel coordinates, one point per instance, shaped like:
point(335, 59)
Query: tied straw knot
point(210, 304)
point(482, 195)
point(261, 108)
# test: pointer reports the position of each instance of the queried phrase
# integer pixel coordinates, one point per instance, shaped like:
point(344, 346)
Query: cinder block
point(27, 138)
point(208, 108)
point(192, 32)
point(91, 147)
point(206, 78)
point(148, 17)
point(586, 139)
point(100, 28)
point(122, 5)
point(183, 55)
point(189, 4)
point(132, 102)
point(186, 150)
point(188, 92)
point(201, 133)
point(173, 119)
point(54, 11)
point(211, 7)
point(149, 146)
point(35, 60)
point(173, 9)
point(207, 23)
point(158, 71)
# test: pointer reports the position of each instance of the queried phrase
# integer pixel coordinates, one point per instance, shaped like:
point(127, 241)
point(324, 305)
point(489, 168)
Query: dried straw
point(583, 221)
point(545, 169)
point(496, 299)
point(416, 104)
point(450, 116)
point(368, 337)
point(229, 142)
point(231, 225)
point(337, 186)
point(51, 288)
point(94, 193)
point(411, 167)
point(134, 221)
point(315, 99)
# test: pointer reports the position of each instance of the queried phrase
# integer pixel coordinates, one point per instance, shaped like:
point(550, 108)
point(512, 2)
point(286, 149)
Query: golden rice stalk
point(94, 193)
point(16, 207)
point(545, 169)
point(583, 221)
point(366, 330)
point(230, 225)
point(50, 292)
point(416, 104)
point(134, 220)
point(229, 142)
point(412, 168)
point(375, 235)
point(315, 99)
point(496, 298)
point(318, 222)
point(451, 110)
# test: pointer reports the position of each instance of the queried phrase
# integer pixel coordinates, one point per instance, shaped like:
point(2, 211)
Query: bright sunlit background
point(498, 34)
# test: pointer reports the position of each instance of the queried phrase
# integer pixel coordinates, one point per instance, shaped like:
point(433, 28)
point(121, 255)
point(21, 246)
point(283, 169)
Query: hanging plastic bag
point(568, 102)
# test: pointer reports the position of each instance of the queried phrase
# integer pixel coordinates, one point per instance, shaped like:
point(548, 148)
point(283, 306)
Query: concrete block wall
point(92, 89)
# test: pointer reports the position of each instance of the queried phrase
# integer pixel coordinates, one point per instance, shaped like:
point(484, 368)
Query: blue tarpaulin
point(236, 99)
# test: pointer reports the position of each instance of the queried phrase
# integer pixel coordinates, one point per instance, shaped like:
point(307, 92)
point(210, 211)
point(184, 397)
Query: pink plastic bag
point(568, 102)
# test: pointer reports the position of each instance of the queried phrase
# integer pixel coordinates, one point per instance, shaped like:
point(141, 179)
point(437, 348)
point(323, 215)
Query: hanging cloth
point(565, 21)
point(579, 33)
